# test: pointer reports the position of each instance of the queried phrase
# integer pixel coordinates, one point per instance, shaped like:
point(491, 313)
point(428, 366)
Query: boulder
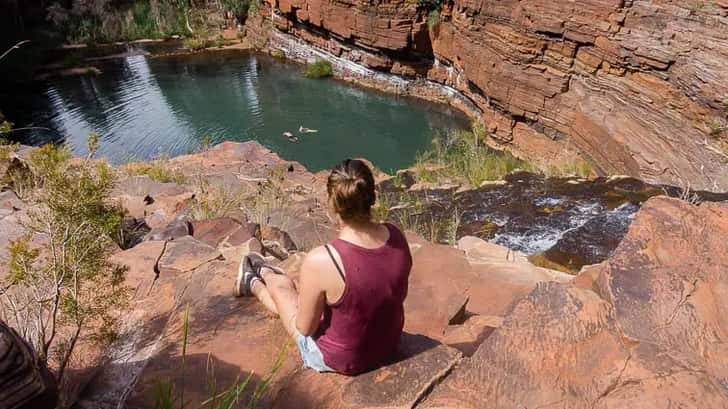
point(186, 254)
point(646, 328)
point(177, 228)
point(668, 282)
point(158, 203)
point(561, 345)
point(225, 230)
point(505, 276)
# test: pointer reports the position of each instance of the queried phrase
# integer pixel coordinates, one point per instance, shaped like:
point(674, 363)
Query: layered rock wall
point(636, 87)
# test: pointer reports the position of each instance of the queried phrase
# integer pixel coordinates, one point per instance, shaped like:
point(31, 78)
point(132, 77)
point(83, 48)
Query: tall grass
point(160, 170)
point(168, 396)
point(462, 156)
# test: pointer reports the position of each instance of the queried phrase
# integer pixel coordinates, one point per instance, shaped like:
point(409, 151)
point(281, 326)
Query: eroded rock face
point(633, 86)
point(644, 329)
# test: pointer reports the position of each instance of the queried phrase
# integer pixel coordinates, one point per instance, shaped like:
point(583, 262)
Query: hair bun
point(351, 191)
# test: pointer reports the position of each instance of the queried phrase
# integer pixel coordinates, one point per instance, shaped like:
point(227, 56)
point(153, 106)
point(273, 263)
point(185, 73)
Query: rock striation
point(635, 87)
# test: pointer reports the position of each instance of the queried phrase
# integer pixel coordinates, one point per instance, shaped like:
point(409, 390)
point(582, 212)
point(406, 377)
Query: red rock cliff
point(635, 86)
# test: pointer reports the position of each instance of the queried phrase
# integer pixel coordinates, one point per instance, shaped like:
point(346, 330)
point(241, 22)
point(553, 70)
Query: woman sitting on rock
point(346, 313)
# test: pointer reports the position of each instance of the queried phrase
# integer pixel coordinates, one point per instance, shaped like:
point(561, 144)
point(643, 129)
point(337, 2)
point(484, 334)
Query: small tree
point(61, 286)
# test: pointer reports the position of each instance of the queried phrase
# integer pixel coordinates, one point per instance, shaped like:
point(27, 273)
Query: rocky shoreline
point(484, 326)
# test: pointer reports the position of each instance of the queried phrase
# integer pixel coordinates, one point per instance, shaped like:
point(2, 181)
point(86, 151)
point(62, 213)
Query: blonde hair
point(351, 191)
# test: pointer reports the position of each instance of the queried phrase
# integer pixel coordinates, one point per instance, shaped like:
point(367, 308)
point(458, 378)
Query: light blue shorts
point(311, 354)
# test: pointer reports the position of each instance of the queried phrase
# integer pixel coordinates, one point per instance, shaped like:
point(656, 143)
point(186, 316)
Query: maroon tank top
point(362, 330)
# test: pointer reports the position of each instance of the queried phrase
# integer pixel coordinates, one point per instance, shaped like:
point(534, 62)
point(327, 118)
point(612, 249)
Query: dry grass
point(160, 170)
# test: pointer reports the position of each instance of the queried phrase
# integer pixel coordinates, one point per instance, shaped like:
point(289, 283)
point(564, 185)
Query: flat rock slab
point(505, 276)
point(439, 287)
point(232, 337)
point(422, 363)
point(225, 230)
point(668, 281)
point(186, 254)
point(10, 203)
point(141, 263)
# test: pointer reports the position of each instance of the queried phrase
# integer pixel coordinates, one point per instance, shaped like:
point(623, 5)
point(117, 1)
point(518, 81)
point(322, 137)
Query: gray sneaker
point(249, 271)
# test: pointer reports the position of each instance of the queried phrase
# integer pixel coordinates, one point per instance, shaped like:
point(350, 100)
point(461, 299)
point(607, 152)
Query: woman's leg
point(260, 291)
point(283, 292)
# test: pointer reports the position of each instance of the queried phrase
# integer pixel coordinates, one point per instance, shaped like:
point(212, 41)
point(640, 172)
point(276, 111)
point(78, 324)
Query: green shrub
point(241, 8)
point(63, 288)
point(725, 103)
point(98, 21)
point(318, 69)
point(716, 128)
point(195, 43)
point(433, 17)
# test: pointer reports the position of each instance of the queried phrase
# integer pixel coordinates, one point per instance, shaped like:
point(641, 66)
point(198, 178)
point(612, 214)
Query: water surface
point(146, 107)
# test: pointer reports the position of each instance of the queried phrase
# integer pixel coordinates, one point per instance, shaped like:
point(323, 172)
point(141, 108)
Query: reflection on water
point(145, 107)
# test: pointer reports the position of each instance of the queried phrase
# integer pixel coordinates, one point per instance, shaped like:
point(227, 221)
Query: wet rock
point(186, 254)
point(592, 242)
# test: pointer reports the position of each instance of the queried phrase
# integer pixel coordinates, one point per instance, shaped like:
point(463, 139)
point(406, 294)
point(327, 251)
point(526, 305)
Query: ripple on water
point(144, 107)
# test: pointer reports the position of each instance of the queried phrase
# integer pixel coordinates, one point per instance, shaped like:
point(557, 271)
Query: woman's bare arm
point(312, 293)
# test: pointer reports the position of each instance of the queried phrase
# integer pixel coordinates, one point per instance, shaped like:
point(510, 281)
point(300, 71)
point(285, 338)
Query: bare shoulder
point(316, 259)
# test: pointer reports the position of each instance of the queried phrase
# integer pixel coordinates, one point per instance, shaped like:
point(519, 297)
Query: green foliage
point(716, 128)
point(97, 21)
point(410, 212)
point(318, 69)
point(241, 8)
point(65, 279)
point(6, 147)
point(697, 6)
point(195, 43)
point(433, 17)
point(462, 156)
point(253, 8)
